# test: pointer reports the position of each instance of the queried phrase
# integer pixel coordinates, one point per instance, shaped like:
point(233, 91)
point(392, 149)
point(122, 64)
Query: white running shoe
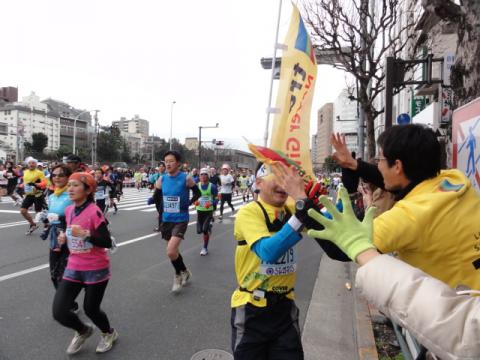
point(78, 341)
point(204, 252)
point(31, 229)
point(106, 341)
point(177, 283)
point(186, 276)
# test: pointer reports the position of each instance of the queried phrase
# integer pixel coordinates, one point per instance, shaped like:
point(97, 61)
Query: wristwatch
point(301, 204)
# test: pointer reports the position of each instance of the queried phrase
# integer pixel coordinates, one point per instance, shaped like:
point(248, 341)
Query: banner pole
point(274, 60)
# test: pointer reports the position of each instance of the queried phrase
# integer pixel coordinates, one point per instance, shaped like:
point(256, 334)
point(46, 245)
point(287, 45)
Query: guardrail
point(411, 348)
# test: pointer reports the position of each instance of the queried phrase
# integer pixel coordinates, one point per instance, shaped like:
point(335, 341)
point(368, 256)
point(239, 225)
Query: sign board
point(446, 103)
point(448, 61)
point(418, 104)
point(466, 141)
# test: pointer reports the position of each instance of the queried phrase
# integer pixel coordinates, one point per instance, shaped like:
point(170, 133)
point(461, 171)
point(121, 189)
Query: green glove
point(345, 230)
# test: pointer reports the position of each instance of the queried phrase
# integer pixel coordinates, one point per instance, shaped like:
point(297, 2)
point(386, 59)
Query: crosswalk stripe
point(237, 201)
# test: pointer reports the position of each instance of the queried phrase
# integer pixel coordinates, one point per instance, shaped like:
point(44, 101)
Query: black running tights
point(65, 297)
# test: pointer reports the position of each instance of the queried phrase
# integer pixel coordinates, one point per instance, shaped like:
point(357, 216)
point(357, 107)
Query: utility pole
point(94, 140)
point(199, 147)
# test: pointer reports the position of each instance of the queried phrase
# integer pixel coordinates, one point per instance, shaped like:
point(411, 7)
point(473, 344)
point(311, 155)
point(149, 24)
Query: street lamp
point(75, 127)
point(171, 122)
point(200, 142)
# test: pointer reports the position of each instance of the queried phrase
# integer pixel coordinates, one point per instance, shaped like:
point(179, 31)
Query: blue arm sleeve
point(269, 249)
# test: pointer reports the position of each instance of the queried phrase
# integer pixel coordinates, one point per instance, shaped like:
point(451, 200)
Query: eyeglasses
point(58, 175)
point(378, 159)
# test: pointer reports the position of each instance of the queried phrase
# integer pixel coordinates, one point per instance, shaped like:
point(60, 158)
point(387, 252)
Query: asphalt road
point(152, 322)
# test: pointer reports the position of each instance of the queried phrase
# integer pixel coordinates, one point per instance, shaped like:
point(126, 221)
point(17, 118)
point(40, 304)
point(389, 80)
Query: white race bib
point(204, 200)
point(286, 264)
point(171, 204)
point(77, 245)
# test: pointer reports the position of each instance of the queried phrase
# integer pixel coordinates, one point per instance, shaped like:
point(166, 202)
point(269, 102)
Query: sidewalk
point(337, 326)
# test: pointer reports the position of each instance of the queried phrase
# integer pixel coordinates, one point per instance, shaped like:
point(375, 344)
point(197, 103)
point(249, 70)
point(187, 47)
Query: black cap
point(73, 158)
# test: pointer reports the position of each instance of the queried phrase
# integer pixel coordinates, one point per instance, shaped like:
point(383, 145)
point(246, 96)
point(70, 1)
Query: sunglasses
point(58, 175)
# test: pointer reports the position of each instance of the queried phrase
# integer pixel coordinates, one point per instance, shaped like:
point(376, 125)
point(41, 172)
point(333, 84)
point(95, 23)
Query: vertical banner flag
point(291, 127)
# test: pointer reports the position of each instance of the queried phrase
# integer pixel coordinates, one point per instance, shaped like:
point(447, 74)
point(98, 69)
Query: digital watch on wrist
point(301, 209)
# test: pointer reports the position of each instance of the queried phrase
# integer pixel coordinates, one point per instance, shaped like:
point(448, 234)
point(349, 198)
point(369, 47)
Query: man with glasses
point(74, 163)
point(434, 223)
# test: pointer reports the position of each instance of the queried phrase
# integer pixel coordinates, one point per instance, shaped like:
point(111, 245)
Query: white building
point(19, 120)
point(136, 125)
point(134, 141)
point(345, 119)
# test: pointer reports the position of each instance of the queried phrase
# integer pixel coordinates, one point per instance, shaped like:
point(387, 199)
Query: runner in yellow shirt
point(34, 183)
point(264, 315)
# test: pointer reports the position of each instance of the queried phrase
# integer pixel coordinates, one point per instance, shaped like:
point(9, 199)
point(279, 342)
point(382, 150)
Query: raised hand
point(345, 230)
point(342, 155)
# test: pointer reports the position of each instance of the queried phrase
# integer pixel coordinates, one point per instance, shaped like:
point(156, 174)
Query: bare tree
point(362, 38)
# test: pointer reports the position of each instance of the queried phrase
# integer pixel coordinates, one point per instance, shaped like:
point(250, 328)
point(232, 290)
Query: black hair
point(259, 165)
point(175, 154)
point(162, 163)
point(100, 169)
point(66, 170)
point(416, 146)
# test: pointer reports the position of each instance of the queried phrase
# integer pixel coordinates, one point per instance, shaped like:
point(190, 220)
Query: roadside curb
point(329, 331)
point(365, 339)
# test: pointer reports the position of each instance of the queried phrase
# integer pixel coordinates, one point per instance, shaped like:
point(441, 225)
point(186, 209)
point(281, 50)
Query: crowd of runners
point(407, 203)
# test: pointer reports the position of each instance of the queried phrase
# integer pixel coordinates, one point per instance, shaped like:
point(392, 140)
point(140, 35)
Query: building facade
point(8, 94)
point(19, 120)
point(345, 119)
point(135, 142)
point(324, 131)
point(136, 125)
point(191, 143)
point(71, 118)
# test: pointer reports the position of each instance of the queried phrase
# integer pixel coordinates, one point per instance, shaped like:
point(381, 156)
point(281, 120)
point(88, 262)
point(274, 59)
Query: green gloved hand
point(345, 230)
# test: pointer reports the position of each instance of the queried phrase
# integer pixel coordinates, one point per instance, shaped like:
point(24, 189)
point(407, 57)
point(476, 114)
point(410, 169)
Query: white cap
point(29, 159)
point(204, 171)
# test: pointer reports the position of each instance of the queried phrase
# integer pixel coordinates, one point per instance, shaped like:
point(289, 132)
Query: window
point(3, 129)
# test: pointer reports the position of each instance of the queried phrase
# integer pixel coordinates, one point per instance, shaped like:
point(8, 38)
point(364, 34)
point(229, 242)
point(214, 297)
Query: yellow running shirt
point(436, 228)
point(31, 176)
point(251, 273)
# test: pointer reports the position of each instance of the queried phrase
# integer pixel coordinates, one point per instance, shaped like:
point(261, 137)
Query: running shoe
point(31, 229)
point(185, 277)
point(75, 308)
point(106, 341)
point(220, 217)
point(78, 340)
point(177, 283)
point(204, 252)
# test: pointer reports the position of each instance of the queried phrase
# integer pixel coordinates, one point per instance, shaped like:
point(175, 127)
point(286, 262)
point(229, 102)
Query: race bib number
point(171, 204)
point(77, 245)
point(52, 217)
point(286, 264)
point(204, 201)
point(100, 193)
point(28, 189)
